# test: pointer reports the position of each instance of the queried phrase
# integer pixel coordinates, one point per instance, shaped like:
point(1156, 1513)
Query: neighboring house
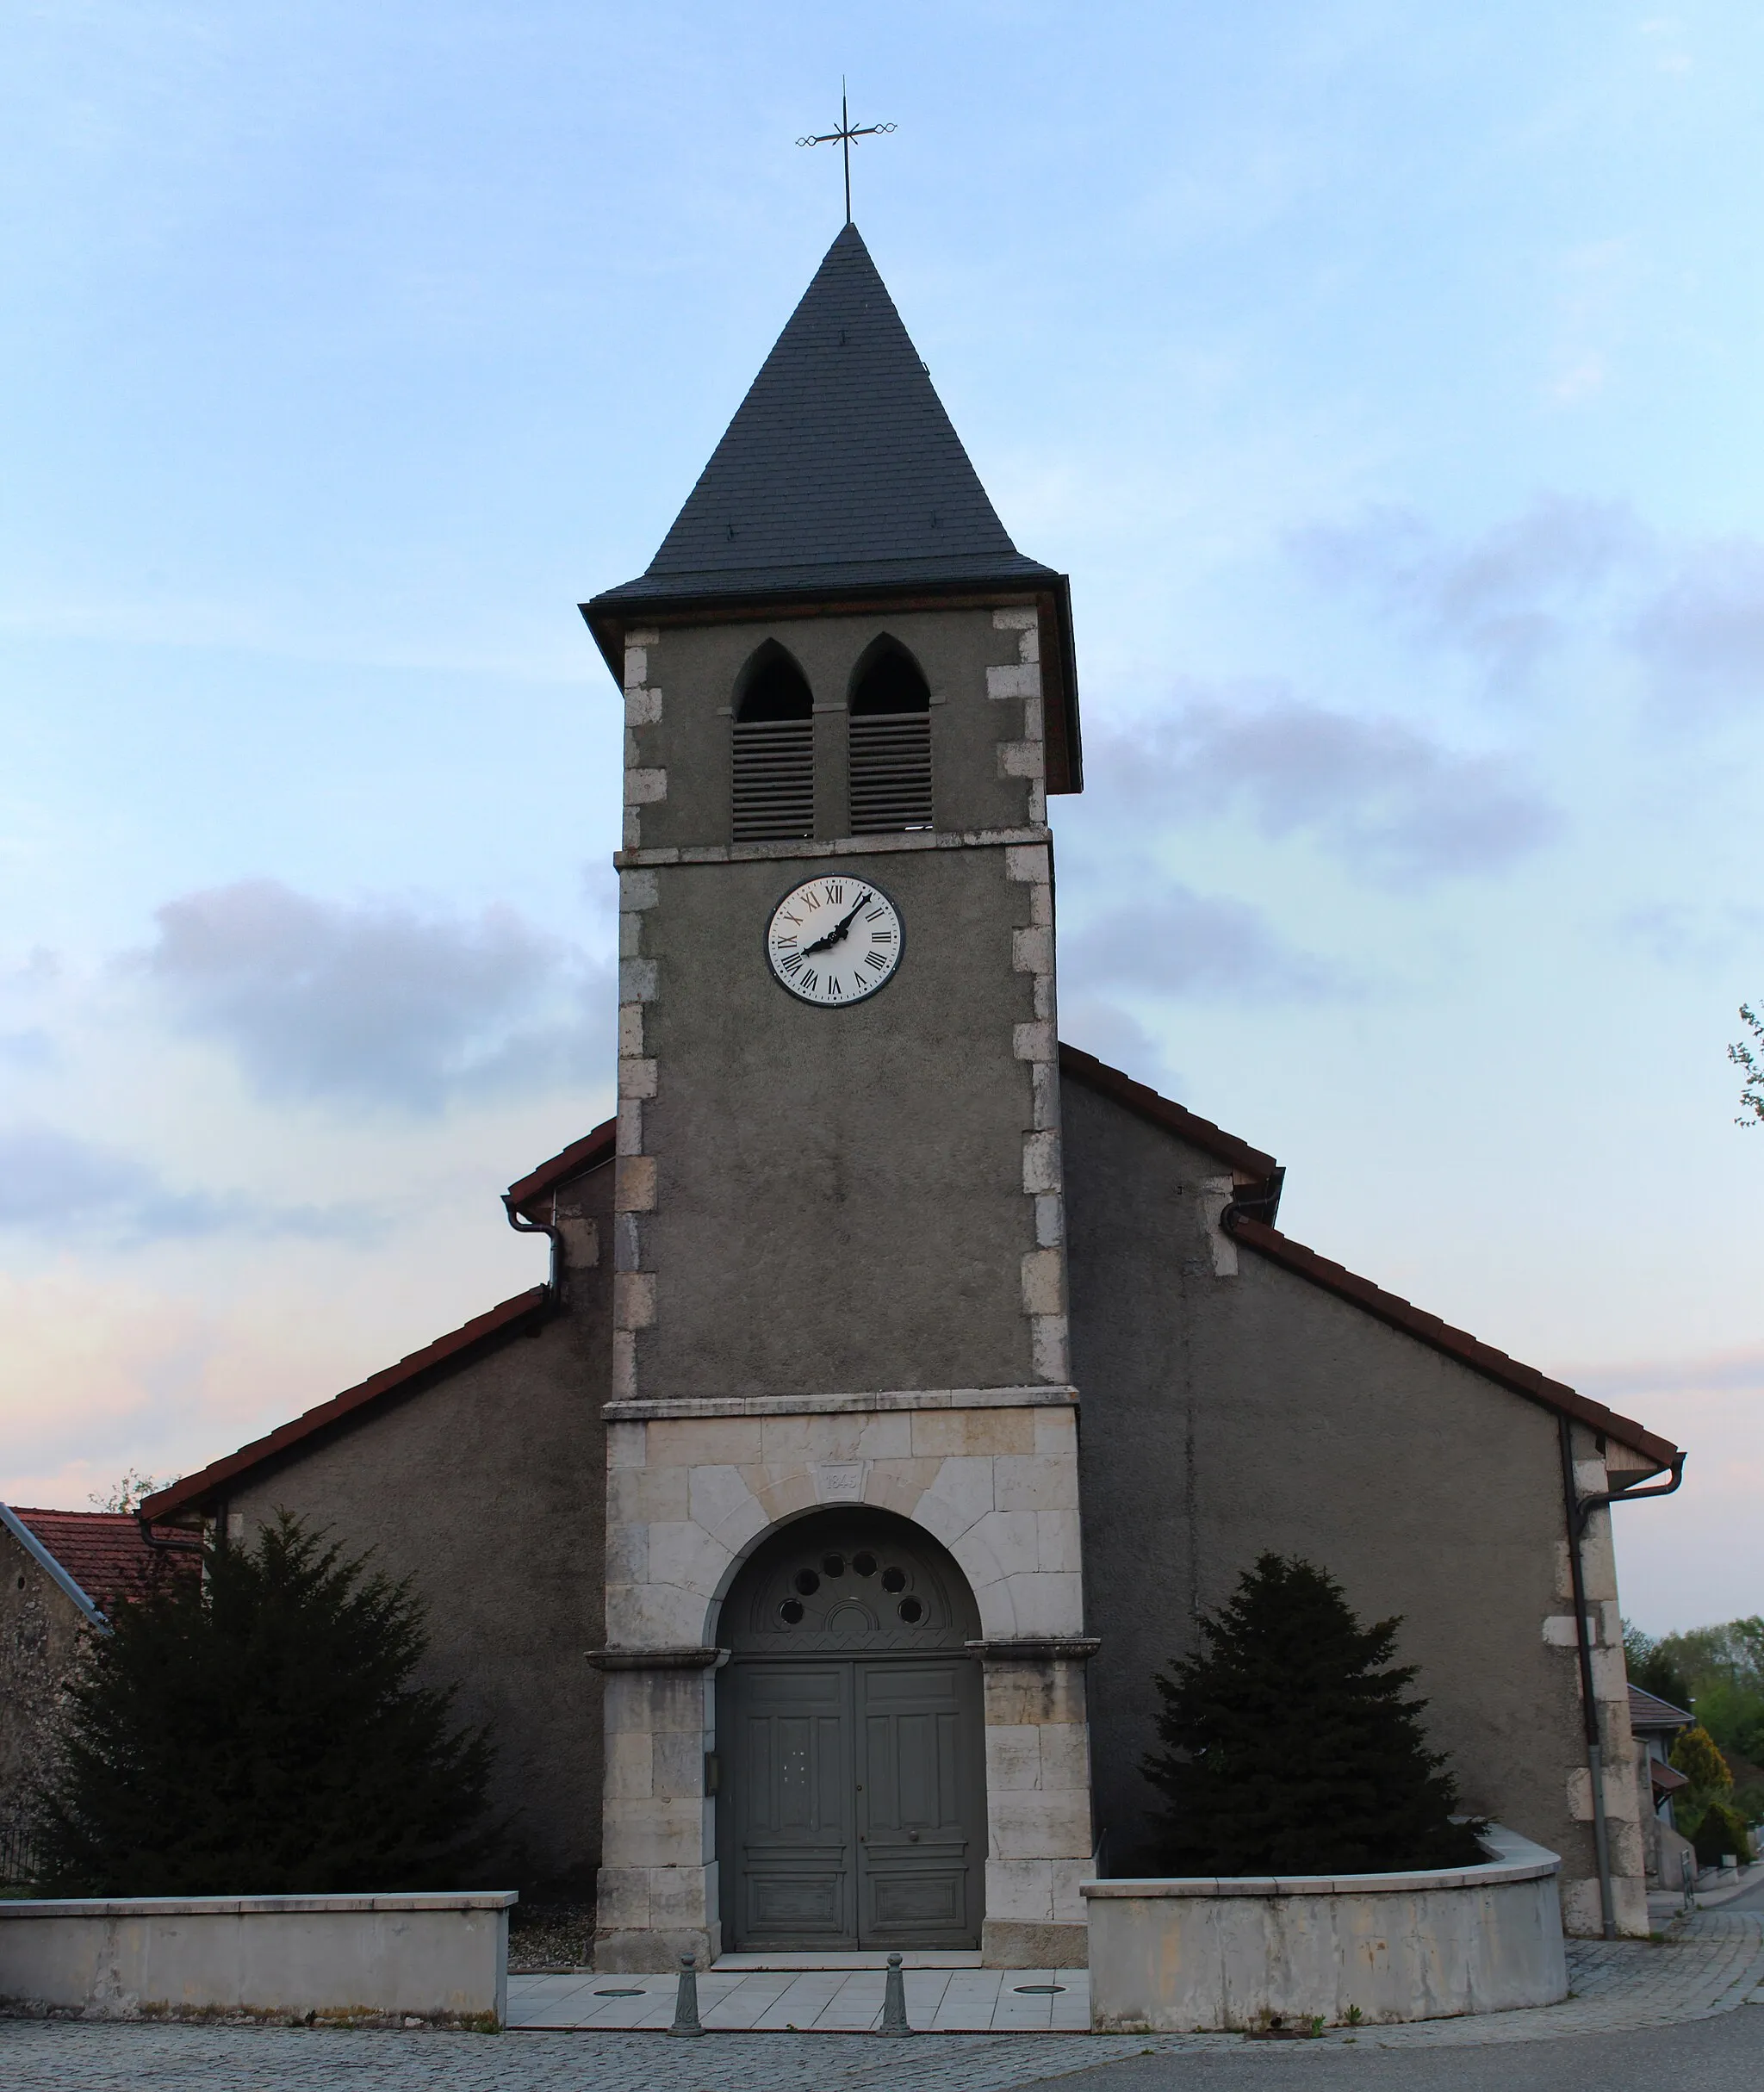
point(1656, 1725)
point(62, 1572)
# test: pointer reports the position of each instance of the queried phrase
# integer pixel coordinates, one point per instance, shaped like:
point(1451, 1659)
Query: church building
point(907, 1383)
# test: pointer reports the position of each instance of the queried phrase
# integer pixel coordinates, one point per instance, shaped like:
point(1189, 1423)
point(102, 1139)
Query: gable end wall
point(487, 1485)
point(1230, 1407)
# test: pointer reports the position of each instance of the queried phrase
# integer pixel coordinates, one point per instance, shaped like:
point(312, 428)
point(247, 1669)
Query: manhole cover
point(1037, 1989)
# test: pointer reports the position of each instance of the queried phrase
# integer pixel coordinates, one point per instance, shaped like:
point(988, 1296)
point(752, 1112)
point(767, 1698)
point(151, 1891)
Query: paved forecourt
point(812, 2001)
point(1712, 1965)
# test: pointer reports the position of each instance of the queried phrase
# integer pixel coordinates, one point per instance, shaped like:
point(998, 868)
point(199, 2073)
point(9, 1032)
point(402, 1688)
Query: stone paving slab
point(812, 2001)
point(1712, 1965)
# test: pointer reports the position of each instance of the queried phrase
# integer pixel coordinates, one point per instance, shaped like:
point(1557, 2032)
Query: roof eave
point(611, 614)
point(447, 1354)
point(1250, 1165)
point(593, 1152)
point(51, 1568)
point(1403, 1315)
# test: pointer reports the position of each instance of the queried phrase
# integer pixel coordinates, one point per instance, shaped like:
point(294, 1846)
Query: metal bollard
point(894, 2001)
point(685, 2004)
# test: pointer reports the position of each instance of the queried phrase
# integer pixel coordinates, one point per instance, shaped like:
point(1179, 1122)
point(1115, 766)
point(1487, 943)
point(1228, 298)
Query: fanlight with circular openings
point(850, 1581)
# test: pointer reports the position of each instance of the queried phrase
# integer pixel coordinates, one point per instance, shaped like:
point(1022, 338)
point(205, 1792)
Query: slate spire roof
point(840, 467)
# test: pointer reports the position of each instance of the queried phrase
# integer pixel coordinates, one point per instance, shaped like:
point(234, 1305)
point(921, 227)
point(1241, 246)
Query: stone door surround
point(693, 1486)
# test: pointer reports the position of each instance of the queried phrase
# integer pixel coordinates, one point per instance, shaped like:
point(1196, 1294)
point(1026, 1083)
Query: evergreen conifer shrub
point(1694, 1754)
point(260, 1733)
point(1290, 1747)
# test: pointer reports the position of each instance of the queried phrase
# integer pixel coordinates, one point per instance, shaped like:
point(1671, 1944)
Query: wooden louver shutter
point(774, 779)
point(890, 771)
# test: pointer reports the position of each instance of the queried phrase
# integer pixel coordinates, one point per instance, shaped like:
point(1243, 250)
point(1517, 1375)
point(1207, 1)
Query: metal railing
point(19, 1863)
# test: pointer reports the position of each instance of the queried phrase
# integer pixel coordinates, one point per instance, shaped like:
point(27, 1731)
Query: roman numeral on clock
point(833, 941)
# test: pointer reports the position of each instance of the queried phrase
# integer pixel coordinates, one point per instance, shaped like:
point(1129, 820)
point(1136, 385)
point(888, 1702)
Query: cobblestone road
point(1712, 1965)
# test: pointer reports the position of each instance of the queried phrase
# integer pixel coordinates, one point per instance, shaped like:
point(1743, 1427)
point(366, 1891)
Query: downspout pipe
point(1589, 1706)
point(521, 1225)
point(1579, 1509)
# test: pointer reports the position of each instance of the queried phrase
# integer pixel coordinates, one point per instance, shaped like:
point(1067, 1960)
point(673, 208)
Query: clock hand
point(840, 929)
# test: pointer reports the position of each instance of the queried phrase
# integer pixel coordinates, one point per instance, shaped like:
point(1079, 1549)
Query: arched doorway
point(851, 1749)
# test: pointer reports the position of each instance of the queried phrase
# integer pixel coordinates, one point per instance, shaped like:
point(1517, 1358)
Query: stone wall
point(693, 1486)
point(1184, 1956)
point(42, 1631)
point(443, 1958)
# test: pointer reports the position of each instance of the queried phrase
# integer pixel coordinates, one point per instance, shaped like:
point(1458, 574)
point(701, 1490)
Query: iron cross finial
point(842, 137)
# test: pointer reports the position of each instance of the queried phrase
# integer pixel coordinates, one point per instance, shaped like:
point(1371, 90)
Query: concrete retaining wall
point(439, 1958)
point(1176, 1956)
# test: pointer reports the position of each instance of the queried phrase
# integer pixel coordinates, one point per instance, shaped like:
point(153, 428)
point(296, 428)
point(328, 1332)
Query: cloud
point(376, 1004)
point(1102, 1027)
point(1737, 1372)
point(1499, 597)
point(30, 1050)
point(1395, 805)
point(1197, 946)
point(53, 1184)
point(1702, 636)
point(1677, 934)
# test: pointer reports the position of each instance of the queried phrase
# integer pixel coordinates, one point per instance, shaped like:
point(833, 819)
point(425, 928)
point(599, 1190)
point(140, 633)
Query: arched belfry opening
point(890, 726)
point(774, 750)
point(850, 1742)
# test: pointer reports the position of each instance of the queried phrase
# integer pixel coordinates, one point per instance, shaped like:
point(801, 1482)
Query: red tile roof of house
point(105, 1552)
point(189, 1494)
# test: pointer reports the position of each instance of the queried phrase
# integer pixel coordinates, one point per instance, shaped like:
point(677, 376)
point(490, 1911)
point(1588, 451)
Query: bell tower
point(839, 1231)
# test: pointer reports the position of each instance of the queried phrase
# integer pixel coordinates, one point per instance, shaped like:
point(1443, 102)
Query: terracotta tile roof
point(588, 1153)
point(1077, 1066)
point(104, 1552)
point(1454, 1343)
point(189, 1495)
point(1648, 1711)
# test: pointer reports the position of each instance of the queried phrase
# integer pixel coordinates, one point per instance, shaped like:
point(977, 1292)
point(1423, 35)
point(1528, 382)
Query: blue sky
point(1384, 377)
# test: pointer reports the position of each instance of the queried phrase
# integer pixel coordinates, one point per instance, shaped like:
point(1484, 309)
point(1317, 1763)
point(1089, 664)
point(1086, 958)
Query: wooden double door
point(852, 1802)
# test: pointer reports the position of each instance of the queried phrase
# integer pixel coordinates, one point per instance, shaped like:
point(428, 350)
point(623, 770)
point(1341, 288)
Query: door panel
point(790, 1789)
point(921, 1806)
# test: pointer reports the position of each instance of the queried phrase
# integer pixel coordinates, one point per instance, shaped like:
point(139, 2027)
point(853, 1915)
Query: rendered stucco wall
point(974, 660)
point(817, 1200)
point(488, 1485)
point(1229, 1406)
point(442, 1959)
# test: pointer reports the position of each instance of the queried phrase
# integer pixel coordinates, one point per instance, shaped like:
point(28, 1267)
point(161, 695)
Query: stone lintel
point(629, 1659)
point(1076, 1648)
point(1037, 1395)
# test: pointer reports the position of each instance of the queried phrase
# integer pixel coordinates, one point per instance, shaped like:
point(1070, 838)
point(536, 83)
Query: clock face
point(834, 939)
